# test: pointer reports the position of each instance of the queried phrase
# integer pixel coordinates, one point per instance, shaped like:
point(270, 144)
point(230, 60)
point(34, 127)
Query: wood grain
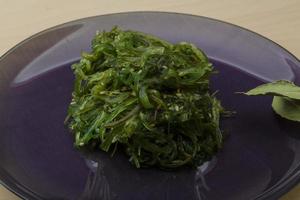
point(276, 19)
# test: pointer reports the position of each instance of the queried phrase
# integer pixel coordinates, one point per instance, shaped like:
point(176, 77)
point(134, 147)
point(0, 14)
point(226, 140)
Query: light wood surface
point(278, 20)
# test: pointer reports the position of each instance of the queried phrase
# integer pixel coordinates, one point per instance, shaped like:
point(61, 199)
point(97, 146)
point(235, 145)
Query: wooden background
point(278, 20)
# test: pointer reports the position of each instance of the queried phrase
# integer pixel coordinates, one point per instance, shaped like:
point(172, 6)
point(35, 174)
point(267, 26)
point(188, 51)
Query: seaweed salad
point(147, 96)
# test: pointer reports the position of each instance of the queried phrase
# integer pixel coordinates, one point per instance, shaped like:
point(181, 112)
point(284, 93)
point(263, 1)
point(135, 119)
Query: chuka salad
point(147, 96)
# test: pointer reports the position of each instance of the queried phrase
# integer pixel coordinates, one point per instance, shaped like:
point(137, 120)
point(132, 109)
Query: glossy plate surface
point(260, 158)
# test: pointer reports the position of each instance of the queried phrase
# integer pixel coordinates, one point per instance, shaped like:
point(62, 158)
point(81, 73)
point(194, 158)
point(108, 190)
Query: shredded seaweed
point(147, 95)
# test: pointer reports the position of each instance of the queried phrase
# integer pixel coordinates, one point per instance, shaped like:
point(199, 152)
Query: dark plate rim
point(273, 193)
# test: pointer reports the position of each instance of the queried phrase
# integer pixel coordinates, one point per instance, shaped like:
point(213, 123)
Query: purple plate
point(261, 155)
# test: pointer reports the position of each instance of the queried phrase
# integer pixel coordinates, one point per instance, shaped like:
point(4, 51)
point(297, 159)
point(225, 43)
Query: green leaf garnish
point(279, 88)
point(287, 108)
point(286, 101)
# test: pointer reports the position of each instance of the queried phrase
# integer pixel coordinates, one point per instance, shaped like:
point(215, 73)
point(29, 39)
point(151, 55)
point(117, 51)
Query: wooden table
point(276, 19)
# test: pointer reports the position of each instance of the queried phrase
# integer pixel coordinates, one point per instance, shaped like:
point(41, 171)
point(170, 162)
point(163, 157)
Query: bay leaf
point(287, 108)
point(279, 88)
